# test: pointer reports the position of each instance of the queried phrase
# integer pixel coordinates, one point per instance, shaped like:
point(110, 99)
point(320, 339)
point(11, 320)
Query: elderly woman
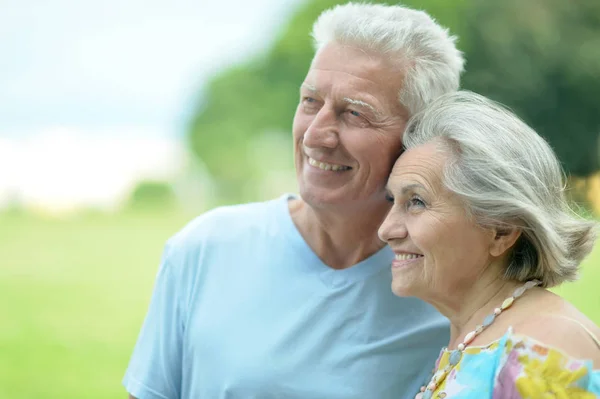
point(480, 229)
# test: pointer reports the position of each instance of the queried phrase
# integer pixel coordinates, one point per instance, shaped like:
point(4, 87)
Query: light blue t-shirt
point(244, 309)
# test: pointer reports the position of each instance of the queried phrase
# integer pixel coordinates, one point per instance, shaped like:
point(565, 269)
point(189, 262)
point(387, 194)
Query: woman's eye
point(389, 198)
point(416, 201)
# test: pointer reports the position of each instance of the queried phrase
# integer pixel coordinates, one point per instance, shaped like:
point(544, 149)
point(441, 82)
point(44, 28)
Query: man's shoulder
point(220, 233)
point(226, 223)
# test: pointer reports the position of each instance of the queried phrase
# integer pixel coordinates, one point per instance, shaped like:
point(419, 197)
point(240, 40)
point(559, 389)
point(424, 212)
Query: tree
point(542, 59)
point(150, 194)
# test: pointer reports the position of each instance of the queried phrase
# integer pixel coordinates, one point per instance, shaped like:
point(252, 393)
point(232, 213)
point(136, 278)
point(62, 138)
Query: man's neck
point(341, 237)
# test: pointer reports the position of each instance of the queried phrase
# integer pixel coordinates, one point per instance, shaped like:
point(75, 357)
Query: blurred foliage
point(152, 195)
point(540, 57)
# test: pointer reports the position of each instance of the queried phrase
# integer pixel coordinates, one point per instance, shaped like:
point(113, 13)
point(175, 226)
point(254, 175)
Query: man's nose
point(323, 130)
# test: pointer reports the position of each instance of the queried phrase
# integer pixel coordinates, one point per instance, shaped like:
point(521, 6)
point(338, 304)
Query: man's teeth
point(326, 166)
point(407, 256)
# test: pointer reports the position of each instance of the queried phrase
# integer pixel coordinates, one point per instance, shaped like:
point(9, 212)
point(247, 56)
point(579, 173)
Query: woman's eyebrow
point(411, 187)
point(407, 188)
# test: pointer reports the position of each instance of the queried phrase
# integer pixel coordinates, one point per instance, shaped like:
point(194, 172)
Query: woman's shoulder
point(549, 319)
point(563, 328)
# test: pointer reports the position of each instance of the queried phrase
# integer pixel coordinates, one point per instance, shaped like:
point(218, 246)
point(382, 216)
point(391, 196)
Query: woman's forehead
point(424, 162)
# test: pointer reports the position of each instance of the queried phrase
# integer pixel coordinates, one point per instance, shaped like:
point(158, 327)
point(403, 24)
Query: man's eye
point(389, 198)
point(309, 100)
point(355, 113)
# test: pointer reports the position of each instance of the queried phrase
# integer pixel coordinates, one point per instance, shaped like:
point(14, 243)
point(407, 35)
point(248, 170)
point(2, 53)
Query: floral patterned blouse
point(517, 367)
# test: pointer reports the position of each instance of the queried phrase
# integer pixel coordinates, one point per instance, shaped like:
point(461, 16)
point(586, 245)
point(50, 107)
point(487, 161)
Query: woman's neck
point(468, 310)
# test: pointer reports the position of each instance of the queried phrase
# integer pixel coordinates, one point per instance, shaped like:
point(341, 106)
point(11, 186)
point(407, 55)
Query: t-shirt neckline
point(375, 263)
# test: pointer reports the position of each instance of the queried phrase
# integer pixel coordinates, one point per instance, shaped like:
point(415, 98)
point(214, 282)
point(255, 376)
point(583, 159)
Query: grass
point(73, 295)
point(72, 298)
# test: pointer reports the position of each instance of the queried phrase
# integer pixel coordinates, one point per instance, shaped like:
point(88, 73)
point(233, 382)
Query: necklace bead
point(519, 291)
point(532, 283)
point(455, 357)
point(469, 337)
point(507, 302)
point(439, 376)
point(489, 319)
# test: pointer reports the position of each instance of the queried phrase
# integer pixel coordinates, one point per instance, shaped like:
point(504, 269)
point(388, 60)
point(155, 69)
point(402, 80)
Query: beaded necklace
point(456, 355)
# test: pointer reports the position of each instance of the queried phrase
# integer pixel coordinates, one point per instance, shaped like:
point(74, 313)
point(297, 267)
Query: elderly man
point(291, 298)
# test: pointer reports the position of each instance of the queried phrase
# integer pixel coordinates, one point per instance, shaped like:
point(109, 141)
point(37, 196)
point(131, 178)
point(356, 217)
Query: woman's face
point(440, 250)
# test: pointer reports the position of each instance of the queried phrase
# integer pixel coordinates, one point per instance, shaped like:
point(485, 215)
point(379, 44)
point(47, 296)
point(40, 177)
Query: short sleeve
point(528, 369)
point(154, 370)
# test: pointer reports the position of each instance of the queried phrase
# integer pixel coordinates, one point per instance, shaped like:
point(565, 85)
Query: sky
point(81, 80)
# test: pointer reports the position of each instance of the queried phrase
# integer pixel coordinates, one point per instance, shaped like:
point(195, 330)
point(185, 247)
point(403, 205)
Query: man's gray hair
point(422, 49)
point(508, 177)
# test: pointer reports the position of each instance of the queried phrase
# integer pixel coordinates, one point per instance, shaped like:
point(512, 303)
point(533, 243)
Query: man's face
point(348, 127)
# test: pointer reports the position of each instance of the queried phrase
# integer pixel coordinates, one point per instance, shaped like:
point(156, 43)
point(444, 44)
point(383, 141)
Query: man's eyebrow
point(362, 104)
point(352, 101)
point(309, 87)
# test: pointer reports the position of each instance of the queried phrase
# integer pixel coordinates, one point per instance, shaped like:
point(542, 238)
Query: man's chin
point(317, 197)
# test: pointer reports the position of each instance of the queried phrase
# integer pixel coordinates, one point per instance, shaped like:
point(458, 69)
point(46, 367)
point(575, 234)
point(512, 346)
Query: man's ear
point(504, 239)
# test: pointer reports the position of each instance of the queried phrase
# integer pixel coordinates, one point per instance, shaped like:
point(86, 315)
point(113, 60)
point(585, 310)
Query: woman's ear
point(503, 240)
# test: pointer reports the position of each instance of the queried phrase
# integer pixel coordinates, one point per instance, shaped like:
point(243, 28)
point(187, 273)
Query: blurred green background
point(74, 286)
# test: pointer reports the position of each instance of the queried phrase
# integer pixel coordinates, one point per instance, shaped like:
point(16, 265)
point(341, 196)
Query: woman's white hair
point(509, 177)
point(411, 39)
